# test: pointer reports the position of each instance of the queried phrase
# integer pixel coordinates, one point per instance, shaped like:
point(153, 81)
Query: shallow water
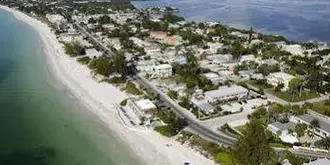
point(40, 124)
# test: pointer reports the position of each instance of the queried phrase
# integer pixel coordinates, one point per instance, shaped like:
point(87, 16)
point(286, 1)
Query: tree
point(315, 123)
point(119, 63)
point(250, 34)
point(279, 87)
point(253, 148)
point(325, 142)
point(295, 85)
point(300, 129)
point(100, 66)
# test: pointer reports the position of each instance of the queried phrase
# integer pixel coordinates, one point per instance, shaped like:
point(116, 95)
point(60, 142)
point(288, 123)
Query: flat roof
point(145, 104)
point(322, 161)
point(283, 126)
point(226, 91)
point(283, 75)
point(211, 75)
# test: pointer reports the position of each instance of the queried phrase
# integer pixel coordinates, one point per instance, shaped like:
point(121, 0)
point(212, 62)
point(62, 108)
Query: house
point(249, 57)
point(56, 19)
point(280, 78)
point(158, 35)
point(174, 40)
point(226, 93)
point(201, 103)
point(295, 49)
point(220, 58)
point(180, 59)
point(214, 78)
point(163, 70)
point(283, 131)
point(213, 47)
point(324, 126)
point(136, 110)
point(145, 66)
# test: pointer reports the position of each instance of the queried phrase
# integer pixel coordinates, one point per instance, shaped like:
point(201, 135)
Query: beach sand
point(102, 99)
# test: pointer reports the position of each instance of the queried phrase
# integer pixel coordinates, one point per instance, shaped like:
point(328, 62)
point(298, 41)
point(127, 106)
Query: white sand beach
point(101, 99)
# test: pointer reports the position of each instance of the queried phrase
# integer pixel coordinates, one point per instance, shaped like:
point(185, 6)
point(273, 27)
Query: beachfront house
point(280, 78)
point(136, 110)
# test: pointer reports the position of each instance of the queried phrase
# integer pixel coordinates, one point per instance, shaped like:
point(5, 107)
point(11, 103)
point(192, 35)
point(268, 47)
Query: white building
point(226, 93)
point(249, 57)
point(200, 102)
point(136, 110)
point(151, 69)
point(280, 78)
point(163, 70)
point(214, 78)
point(294, 49)
point(56, 19)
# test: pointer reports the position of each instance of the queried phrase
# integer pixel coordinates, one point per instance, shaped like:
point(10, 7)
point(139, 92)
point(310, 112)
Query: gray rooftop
point(283, 126)
point(322, 161)
point(226, 91)
point(309, 118)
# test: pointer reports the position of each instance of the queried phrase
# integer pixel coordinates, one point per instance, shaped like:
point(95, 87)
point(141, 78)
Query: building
point(295, 49)
point(163, 70)
point(283, 131)
point(136, 110)
point(321, 161)
point(280, 78)
point(226, 93)
point(220, 59)
point(158, 35)
point(199, 101)
point(56, 19)
point(214, 78)
point(324, 126)
point(249, 57)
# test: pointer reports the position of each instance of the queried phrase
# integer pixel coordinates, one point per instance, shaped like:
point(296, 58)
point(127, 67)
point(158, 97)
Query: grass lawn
point(132, 89)
point(322, 107)
point(259, 85)
point(305, 95)
point(279, 145)
point(240, 128)
point(225, 158)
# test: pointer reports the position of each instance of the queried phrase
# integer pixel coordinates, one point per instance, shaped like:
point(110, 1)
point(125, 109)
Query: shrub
point(84, 60)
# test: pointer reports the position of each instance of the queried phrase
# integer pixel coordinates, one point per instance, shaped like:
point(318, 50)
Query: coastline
point(102, 99)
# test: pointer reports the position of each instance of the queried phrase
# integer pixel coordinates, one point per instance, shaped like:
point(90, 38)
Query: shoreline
point(101, 99)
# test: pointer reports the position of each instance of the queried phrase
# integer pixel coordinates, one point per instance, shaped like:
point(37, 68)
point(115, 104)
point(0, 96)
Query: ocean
point(40, 122)
point(300, 20)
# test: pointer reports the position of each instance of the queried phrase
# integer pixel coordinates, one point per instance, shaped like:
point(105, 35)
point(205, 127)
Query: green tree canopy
point(119, 63)
point(253, 148)
point(100, 66)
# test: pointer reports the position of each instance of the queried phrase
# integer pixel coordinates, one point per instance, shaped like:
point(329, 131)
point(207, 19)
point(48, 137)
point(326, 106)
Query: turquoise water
point(40, 124)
